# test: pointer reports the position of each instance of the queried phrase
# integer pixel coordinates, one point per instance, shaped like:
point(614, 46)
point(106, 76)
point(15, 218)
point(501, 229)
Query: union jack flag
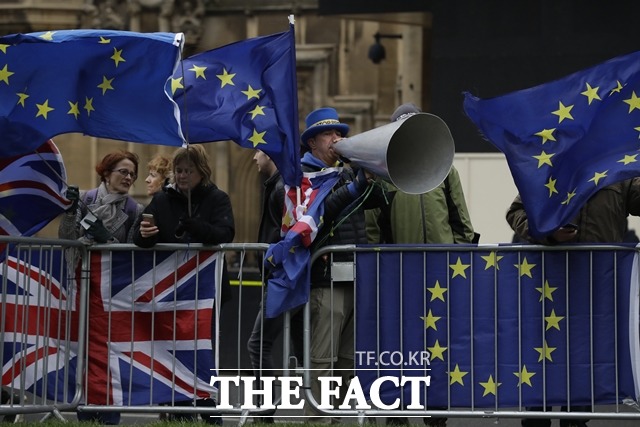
point(39, 324)
point(149, 335)
point(288, 260)
point(149, 331)
point(31, 191)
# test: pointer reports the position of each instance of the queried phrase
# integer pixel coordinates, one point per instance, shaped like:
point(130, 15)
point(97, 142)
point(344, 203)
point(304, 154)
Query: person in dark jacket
point(207, 219)
point(332, 340)
point(191, 210)
point(603, 219)
point(266, 330)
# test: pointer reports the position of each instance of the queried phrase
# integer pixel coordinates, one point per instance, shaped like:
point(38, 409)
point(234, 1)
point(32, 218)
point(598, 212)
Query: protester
point(104, 215)
point(190, 210)
point(438, 216)
point(265, 330)
point(332, 298)
point(603, 219)
point(159, 168)
point(107, 213)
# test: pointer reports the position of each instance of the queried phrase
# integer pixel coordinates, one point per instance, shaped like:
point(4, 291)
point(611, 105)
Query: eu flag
point(566, 139)
point(500, 328)
point(108, 84)
point(245, 92)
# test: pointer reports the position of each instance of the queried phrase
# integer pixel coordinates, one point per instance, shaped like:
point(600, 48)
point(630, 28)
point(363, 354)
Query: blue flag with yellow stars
point(566, 139)
point(500, 328)
point(245, 92)
point(107, 84)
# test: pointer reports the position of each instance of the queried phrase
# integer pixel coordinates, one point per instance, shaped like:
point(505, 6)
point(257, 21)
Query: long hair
point(197, 155)
point(109, 161)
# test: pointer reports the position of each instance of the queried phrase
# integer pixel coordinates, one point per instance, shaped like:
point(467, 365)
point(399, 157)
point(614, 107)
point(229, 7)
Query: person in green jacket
point(438, 216)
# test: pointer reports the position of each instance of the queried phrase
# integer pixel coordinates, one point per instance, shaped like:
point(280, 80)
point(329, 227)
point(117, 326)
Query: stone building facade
point(333, 69)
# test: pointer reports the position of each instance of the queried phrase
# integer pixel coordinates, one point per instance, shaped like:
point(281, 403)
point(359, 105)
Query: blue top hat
point(320, 120)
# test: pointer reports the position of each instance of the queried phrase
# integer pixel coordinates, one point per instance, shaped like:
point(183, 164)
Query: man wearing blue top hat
point(332, 343)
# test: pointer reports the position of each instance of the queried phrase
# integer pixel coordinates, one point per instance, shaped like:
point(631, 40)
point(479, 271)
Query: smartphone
point(149, 219)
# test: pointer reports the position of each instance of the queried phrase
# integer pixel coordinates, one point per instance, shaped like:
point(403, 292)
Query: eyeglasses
point(125, 173)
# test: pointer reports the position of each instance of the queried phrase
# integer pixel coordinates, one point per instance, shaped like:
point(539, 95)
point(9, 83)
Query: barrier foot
point(243, 418)
point(361, 418)
point(55, 413)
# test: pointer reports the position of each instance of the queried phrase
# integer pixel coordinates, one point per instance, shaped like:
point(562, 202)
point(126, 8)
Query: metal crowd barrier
point(622, 408)
point(41, 328)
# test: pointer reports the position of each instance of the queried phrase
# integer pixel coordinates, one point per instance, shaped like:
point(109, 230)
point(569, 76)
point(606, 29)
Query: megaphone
point(415, 154)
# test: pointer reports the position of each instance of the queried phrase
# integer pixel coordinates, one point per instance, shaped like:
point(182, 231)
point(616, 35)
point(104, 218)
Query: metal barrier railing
point(140, 299)
point(40, 329)
point(385, 278)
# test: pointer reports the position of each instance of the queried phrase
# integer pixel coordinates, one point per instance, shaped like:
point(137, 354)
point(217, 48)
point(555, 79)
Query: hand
point(562, 234)
point(73, 194)
point(190, 225)
point(98, 231)
point(148, 230)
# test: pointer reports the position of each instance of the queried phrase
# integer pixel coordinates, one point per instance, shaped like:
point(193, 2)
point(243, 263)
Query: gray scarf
point(109, 208)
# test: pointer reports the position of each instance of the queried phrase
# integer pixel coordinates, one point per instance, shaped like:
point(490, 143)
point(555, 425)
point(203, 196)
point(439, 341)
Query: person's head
point(264, 163)
point(323, 130)
point(405, 111)
point(191, 167)
point(118, 170)
point(159, 171)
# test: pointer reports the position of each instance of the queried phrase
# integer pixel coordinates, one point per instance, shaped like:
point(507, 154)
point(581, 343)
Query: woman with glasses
point(105, 214)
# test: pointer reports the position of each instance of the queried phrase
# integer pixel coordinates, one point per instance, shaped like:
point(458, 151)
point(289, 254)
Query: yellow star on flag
point(544, 159)
point(570, 196)
point(3, 47)
point(545, 352)
point(591, 93)
point(459, 269)
point(258, 110)
point(546, 134)
point(634, 101)
point(21, 98)
point(199, 71)
point(492, 260)
point(457, 375)
point(551, 185)
point(437, 292)
point(251, 92)
point(5, 74)
point(525, 268)
point(524, 376)
point(490, 386)
point(598, 176)
point(73, 109)
point(553, 321)
point(257, 138)
point(547, 291)
point(117, 56)
point(618, 88)
point(88, 105)
point(106, 84)
point(437, 351)
point(563, 112)
point(628, 159)
point(48, 35)
point(104, 40)
point(226, 78)
point(44, 109)
point(176, 84)
point(430, 320)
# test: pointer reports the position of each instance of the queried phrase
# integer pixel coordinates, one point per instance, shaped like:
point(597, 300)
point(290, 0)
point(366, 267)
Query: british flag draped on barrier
point(501, 328)
point(149, 329)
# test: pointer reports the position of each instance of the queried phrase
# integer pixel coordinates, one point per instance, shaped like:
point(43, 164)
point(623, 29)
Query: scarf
point(109, 208)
